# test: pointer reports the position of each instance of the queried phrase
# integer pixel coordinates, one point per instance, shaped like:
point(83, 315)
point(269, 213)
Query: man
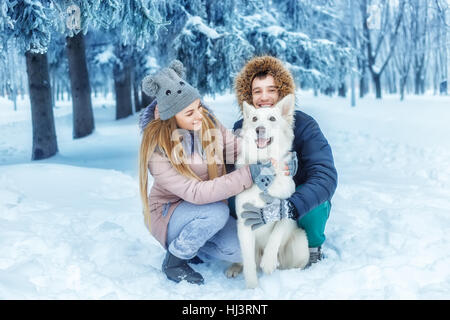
point(262, 83)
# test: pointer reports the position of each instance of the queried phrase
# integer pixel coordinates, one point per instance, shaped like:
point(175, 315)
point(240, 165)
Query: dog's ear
point(246, 109)
point(287, 107)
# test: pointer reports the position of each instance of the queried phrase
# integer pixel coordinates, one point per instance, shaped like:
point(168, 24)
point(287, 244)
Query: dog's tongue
point(261, 142)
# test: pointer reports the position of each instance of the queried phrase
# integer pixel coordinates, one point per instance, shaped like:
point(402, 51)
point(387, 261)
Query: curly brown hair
point(259, 67)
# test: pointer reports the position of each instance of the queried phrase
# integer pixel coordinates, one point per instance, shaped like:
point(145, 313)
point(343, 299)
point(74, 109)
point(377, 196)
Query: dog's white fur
point(279, 244)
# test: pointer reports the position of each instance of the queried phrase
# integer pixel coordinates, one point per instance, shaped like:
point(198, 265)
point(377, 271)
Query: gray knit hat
point(172, 92)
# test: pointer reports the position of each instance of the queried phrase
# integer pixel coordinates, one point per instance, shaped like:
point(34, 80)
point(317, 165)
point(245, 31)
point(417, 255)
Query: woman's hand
point(263, 174)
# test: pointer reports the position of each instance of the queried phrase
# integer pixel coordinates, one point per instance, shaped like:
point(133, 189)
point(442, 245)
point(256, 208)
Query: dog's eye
point(272, 118)
point(255, 119)
point(168, 92)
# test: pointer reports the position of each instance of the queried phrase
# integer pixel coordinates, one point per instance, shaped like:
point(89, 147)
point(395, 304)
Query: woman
point(184, 149)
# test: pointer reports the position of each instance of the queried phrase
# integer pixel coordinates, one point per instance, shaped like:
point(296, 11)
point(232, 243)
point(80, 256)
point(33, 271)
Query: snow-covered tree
point(58, 67)
point(214, 47)
point(30, 23)
point(211, 58)
point(381, 39)
point(404, 49)
point(208, 51)
point(220, 13)
point(440, 25)
point(131, 25)
point(101, 60)
point(6, 25)
point(75, 18)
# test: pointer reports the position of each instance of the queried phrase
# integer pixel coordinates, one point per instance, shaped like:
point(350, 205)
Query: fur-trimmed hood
point(243, 82)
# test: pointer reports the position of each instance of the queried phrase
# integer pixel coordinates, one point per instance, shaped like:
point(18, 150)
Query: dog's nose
point(260, 131)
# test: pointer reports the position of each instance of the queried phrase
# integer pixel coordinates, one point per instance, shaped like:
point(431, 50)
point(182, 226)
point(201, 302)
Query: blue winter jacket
point(316, 172)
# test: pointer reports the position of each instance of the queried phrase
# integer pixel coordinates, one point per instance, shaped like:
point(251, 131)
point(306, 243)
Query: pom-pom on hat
point(172, 92)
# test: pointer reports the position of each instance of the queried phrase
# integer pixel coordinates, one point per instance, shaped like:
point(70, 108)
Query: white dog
point(268, 133)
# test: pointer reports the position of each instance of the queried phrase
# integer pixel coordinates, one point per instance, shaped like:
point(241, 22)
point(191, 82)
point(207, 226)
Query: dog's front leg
point(279, 235)
point(247, 241)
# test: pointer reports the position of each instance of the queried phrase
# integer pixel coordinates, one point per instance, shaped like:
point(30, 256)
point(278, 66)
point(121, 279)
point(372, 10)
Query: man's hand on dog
point(290, 165)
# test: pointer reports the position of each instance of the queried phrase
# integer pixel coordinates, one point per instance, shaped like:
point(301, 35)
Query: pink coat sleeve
point(194, 191)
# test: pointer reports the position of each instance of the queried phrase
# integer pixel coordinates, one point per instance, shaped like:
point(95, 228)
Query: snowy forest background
point(372, 73)
point(78, 48)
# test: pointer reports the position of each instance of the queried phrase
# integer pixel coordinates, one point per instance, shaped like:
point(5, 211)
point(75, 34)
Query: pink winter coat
point(170, 187)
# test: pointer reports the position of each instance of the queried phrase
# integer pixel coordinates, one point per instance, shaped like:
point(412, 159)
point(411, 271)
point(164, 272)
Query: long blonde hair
point(164, 134)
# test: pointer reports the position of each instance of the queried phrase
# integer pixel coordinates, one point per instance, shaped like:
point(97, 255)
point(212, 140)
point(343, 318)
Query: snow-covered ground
point(71, 226)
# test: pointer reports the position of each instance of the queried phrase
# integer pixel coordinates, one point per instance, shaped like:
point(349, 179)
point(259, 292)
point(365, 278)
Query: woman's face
point(190, 118)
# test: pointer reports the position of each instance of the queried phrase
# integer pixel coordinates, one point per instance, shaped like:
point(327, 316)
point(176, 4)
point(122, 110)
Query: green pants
point(312, 222)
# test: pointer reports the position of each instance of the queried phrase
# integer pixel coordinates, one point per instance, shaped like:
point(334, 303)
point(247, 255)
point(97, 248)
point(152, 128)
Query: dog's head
point(268, 131)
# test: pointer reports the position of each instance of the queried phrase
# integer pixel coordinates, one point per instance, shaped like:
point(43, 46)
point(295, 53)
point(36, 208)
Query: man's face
point(264, 92)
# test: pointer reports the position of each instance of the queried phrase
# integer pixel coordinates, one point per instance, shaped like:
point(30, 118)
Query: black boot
point(177, 269)
point(195, 260)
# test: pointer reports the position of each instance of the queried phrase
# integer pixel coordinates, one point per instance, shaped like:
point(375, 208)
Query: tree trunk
point(417, 77)
point(83, 117)
point(392, 82)
point(53, 80)
point(58, 91)
point(44, 133)
point(377, 82)
point(13, 77)
point(137, 102)
point(122, 86)
point(353, 37)
point(403, 80)
point(443, 88)
point(316, 90)
point(342, 91)
point(352, 91)
point(363, 87)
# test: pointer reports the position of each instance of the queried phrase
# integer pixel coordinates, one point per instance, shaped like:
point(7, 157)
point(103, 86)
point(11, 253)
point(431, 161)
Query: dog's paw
point(251, 283)
point(251, 277)
point(268, 264)
point(234, 270)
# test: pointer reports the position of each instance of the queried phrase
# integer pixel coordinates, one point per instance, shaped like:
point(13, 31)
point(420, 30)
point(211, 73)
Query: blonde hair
point(164, 134)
